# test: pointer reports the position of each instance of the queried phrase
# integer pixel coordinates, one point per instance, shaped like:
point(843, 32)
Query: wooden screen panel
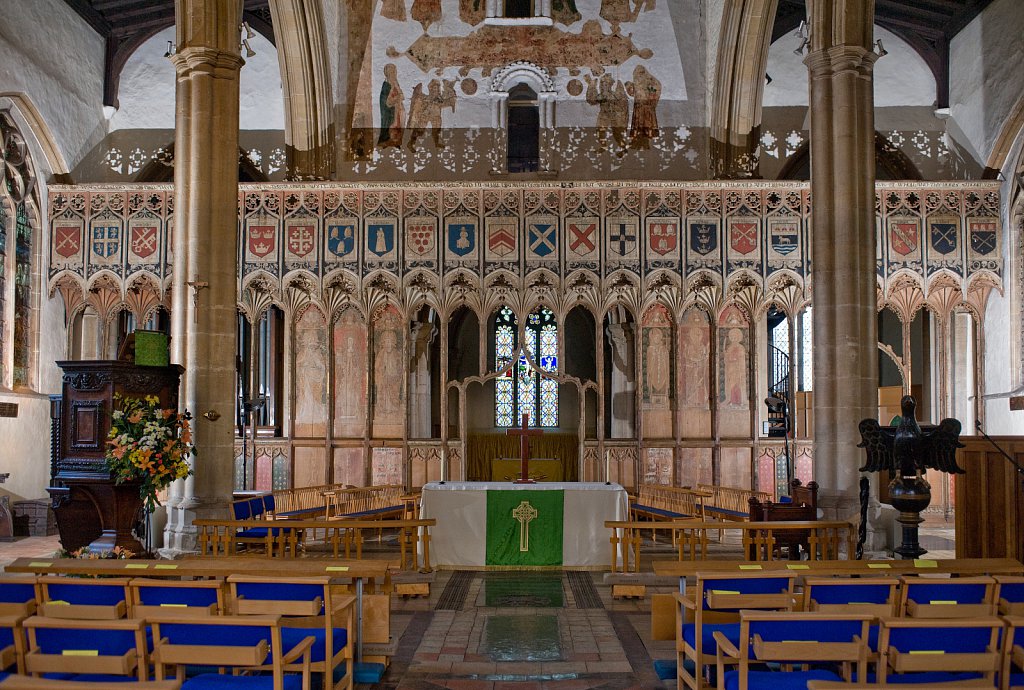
point(989, 499)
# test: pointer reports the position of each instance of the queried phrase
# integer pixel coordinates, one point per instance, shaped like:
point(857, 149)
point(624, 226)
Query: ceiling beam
point(968, 11)
point(93, 18)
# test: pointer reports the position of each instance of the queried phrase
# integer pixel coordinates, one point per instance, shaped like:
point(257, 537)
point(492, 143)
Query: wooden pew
point(729, 502)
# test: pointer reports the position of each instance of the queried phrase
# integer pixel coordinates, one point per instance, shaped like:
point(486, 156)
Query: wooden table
point(962, 566)
point(358, 571)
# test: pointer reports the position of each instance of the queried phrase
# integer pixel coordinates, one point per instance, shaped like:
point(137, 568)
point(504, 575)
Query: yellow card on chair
point(797, 566)
point(879, 566)
point(40, 564)
point(161, 566)
point(81, 652)
point(750, 567)
point(137, 566)
point(337, 568)
point(924, 563)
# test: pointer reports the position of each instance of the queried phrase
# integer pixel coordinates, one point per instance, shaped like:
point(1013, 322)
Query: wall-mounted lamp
point(882, 52)
point(805, 40)
point(800, 48)
point(171, 49)
point(249, 33)
point(249, 52)
point(801, 31)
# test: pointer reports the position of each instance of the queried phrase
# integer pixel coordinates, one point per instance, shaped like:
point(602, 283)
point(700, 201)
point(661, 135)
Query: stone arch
point(306, 83)
point(739, 83)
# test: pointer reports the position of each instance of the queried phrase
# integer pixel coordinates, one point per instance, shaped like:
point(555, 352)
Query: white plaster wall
point(985, 73)
point(714, 11)
point(901, 78)
point(49, 54)
point(146, 93)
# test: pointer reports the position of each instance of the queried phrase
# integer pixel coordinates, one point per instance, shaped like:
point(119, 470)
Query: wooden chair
point(1009, 595)
point(833, 685)
point(244, 644)
point(949, 650)
point(961, 597)
point(12, 644)
point(1012, 674)
point(177, 598)
point(31, 683)
point(876, 596)
point(69, 597)
point(17, 596)
point(308, 607)
point(100, 651)
point(792, 639)
point(714, 606)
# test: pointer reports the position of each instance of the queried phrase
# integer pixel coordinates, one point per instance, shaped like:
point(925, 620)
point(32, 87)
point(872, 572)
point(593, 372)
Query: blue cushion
point(723, 511)
point(105, 642)
point(292, 636)
point(16, 593)
point(657, 511)
point(368, 673)
point(1016, 679)
point(923, 592)
point(923, 677)
point(949, 638)
point(6, 637)
point(155, 596)
point(1013, 592)
point(260, 532)
point(778, 680)
point(708, 645)
point(216, 681)
point(819, 630)
point(278, 591)
point(759, 585)
point(785, 499)
point(256, 506)
point(103, 678)
point(100, 595)
point(844, 594)
point(207, 634)
point(242, 509)
point(375, 511)
point(269, 503)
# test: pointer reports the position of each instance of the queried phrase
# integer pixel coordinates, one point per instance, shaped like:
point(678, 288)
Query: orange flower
point(135, 417)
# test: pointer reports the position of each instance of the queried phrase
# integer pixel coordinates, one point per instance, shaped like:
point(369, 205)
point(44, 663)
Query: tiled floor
point(520, 630)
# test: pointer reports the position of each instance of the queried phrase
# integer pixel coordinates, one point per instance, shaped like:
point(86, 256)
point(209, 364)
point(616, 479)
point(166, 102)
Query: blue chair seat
point(777, 680)
point(261, 532)
point(375, 511)
point(708, 644)
point(217, 681)
point(923, 677)
point(101, 678)
point(723, 511)
point(292, 636)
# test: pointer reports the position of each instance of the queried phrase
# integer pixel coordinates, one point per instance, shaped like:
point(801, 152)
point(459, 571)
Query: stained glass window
point(22, 295)
point(3, 279)
point(523, 389)
point(806, 351)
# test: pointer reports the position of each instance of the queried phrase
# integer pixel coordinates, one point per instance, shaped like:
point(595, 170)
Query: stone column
point(204, 291)
point(843, 243)
point(420, 375)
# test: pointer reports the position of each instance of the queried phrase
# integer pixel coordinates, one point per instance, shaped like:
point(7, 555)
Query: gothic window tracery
point(260, 354)
point(522, 389)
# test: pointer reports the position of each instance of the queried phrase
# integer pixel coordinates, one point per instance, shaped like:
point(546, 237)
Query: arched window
point(518, 9)
point(260, 353)
point(523, 390)
point(523, 130)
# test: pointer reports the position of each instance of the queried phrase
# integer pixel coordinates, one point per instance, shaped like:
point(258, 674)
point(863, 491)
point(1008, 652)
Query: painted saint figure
point(425, 110)
point(426, 12)
point(392, 109)
point(658, 367)
point(472, 12)
point(735, 370)
point(646, 92)
point(609, 95)
point(387, 373)
point(695, 362)
point(310, 374)
point(564, 12)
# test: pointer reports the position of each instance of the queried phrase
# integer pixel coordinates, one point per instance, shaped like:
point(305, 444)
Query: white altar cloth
point(460, 508)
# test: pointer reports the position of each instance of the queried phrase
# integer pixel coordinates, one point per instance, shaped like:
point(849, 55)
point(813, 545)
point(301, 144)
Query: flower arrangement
point(148, 444)
point(117, 553)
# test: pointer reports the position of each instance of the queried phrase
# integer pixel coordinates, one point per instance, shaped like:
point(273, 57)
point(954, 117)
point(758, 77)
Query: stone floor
point(516, 630)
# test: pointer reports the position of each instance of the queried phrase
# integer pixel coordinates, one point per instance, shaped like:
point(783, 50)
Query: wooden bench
point(729, 502)
point(657, 502)
point(800, 505)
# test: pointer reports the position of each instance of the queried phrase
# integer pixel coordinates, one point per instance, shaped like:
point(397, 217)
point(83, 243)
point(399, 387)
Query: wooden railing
point(822, 540)
point(286, 538)
point(729, 502)
point(336, 499)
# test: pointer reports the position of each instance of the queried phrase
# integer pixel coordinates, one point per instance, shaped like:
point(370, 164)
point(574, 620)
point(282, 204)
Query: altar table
point(541, 469)
point(484, 523)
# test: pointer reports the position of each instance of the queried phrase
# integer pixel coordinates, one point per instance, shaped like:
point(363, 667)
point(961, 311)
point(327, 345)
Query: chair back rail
point(730, 502)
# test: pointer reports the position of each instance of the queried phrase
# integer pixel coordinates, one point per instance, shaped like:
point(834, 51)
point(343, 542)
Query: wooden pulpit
point(91, 509)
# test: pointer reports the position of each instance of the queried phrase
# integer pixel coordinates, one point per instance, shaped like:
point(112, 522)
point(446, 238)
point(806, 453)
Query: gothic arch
point(306, 83)
point(24, 109)
point(739, 84)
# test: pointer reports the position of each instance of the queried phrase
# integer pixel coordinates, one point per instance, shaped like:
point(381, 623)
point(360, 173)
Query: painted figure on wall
point(425, 110)
point(616, 12)
point(349, 375)
point(734, 392)
point(310, 374)
point(657, 364)
point(646, 92)
point(393, 9)
point(609, 95)
point(472, 12)
point(426, 12)
point(392, 109)
point(388, 371)
point(694, 356)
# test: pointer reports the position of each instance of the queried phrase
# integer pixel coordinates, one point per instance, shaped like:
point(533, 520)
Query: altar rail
point(824, 540)
point(286, 539)
point(658, 502)
point(310, 502)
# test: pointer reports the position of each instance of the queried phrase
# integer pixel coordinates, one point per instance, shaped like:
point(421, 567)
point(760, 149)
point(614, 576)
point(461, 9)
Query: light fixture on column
point(805, 41)
point(171, 49)
point(249, 52)
point(249, 33)
point(882, 52)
